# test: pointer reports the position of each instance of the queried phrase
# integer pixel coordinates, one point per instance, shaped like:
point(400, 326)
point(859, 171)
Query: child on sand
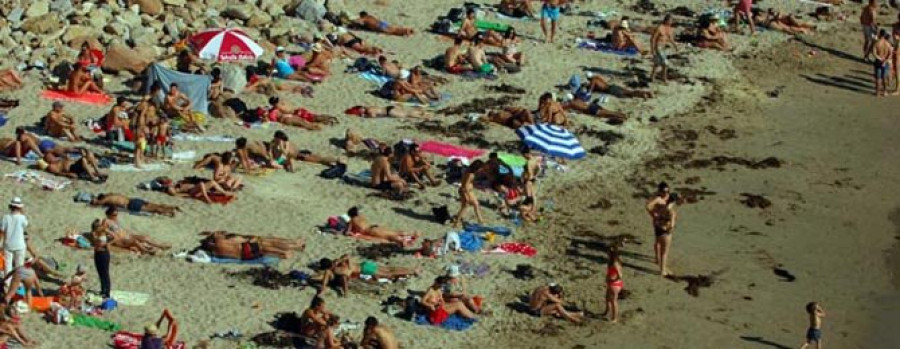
point(814, 333)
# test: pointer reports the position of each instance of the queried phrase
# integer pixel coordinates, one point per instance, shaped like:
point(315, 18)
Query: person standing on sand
point(814, 333)
point(744, 10)
point(659, 199)
point(550, 10)
point(663, 35)
point(868, 18)
point(895, 58)
point(614, 284)
point(883, 51)
point(100, 239)
point(467, 194)
point(12, 231)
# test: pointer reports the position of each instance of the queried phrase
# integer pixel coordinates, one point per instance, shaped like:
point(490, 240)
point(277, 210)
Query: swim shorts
point(384, 186)
point(550, 12)
point(659, 231)
point(813, 334)
point(136, 205)
point(659, 58)
point(368, 268)
point(870, 31)
point(616, 90)
point(881, 69)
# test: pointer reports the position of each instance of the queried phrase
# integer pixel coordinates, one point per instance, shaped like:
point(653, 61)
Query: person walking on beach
point(550, 11)
point(744, 11)
point(12, 230)
point(663, 35)
point(868, 18)
point(883, 52)
point(814, 332)
point(100, 239)
point(661, 208)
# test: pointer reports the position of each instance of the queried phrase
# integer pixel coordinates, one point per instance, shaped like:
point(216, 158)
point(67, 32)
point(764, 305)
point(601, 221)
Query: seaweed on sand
point(268, 278)
point(479, 105)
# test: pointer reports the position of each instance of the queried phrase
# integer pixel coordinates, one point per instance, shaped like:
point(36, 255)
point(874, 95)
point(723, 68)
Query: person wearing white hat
point(12, 231)
point(455, 290)
point(622, 39)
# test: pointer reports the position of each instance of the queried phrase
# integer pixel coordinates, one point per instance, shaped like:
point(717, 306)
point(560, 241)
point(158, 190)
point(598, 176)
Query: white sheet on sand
point(132, 168)
point(34, 177)
point(817, 3)
point(196, 138)
point(184, 155)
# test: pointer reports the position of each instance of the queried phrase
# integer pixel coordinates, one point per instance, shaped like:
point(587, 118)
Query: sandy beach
point(790, 121)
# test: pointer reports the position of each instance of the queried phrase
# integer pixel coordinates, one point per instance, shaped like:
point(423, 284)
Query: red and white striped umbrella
point(225, 44)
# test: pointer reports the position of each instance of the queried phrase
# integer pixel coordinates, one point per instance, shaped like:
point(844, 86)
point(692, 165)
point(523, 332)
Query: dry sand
point(828, 222)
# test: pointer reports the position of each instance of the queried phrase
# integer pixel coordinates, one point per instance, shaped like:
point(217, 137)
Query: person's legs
point(657, 244)
point(101, 262)
point(553, 25)
point(160, 209)
point(558, 310)
point(460, 309)
point(544, 25)
point(12, 288)
point(614, 303)
point(664, 254)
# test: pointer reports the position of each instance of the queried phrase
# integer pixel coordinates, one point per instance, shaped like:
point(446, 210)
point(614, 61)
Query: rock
point(258, 19)
point(15, 16)
point(99, 18)
point(238, 11)
point(182, 12)
point(79, 31)
point(77, 42)
point(311, 10)
point(131, 19)
point(174, 2)
point(38, 8)
point(122, 58)
point(217, 5)
point(62, 7)
point(42, 25)
point(144, 37)
point(117, 28)
point(271, 7)
point(335, 6)
point(150, 7)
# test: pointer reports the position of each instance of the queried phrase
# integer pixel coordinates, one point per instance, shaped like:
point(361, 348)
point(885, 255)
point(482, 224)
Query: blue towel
point(453, 323)
point(605, 47)
point(363, 178)
point(516, 170)
point(477, 228)
point(433, 104)
point(264, 260)
point(379, 80)
point(470, 241)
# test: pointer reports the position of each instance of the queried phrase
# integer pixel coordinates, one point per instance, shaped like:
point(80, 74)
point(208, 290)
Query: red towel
point(131, 340)
point(86, 98)
point(515, 248)
point(449, 150)
point(221, 199)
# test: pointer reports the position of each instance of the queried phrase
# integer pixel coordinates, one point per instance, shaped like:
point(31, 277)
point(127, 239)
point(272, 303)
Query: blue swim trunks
point(813, 334)
point(550, 12)
point(881, 69)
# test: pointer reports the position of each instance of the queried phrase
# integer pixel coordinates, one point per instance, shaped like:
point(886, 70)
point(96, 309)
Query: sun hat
point(317, 47)
point(279, 49)
point(589, 75)
point(624, 25)
point(16, 202)
point(453, 271)
point(151, 329)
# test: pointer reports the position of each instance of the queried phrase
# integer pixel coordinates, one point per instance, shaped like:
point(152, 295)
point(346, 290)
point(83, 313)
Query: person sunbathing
point(426, 83)
point(345, 268)
point(72, 292)
point(550, 111)
point(343, 38)
point(151, 337)
point(282, 68)
point(512, 117)
point(455, 290)
point(478, 58)
point(455, 62)
point(393, 111)
point(774, 20)
point(118, 238)
point(469, 31)
point(9, 80)
point(623, 39)
point(134, 205)
point(11, 328)
point(281, 112)
point(437, 309)
point(112, 224)
point(262, 84)
point(117, 119)
point(85, 167)
point(372, 23)
point(711, 36)
point(516, 8)
point(178, 105)
point(383, 176)
point(597, 83)
point(414, 167)
point(61, 125)
point(198, 188)
point(593, 109)
point(80, 81)
point(510, 54)
point(308, 156)
point(314, 320)
point(318, 65)
point(248, 247)
point(403, 91)
point(548, 300)
point(360, 226)
point(223, 173)
point(20, 146)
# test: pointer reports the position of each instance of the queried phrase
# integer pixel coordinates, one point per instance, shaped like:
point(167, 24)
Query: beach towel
point(82, 320)
point(130, 298)
point(413, 102)
point(29, 158)
point(479, 228)
point(605, 47)
point(512, 159)
point(483, 25)
point(184, 155)
point(377, 79)
point(131, 340)
point(363, 178)
point(453, 322)
point(217, 198)
point(519, 248)
point(23, 176)
point(449, 150)
point(132, 168)
point(264, 260)
point(86, 98)
point(200, 138)
point(470, 241)
point(194, 86)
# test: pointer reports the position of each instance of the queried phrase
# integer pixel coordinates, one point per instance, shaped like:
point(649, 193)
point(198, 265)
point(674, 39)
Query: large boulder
point(38, 8)
point(43, 25)
point(122, 58)
point(311, 10)
point(150, 7)
point(258, 19)
point(175, 2)
point(241, 12)
point(76, 31)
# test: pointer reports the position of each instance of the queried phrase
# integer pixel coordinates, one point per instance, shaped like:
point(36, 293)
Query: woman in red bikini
point(614, 284)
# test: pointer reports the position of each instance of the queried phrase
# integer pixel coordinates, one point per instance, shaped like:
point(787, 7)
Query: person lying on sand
point(376, 335)
point(81, 81)
point(455, 61)
point(9, 80)
point(437, 309)
point(372, 23)
point(122, 240)
point(134, 205)
point(591, 108)
point(632, 28)
point(197, 188)
point(308, 156)
point(510, 53)
point(392, 111)
point(223, 172)
point(85, 167)
point(775, 20)
point(341, 37)
point(360, 226)
point(516, 8)
point(597, 83)
point(340, 271)
point(257, 83)
point(61, 125)
point(112, 223)
point(281, 112)
point(512, 117)
point(281, 68)
point(248, 247)
point(11, 327)
point(712, 36)
point(413, 166)
point(548, 300)
point(623, 39)
point(383, 176)
point(469, 31)
point(20, 146)
point(551, 111)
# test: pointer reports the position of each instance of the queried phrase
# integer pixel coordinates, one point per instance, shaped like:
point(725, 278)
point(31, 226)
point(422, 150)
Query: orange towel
point(86, 98)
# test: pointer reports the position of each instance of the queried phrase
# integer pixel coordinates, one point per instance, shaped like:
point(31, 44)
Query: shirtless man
point(392, 112)
point(9, 80)
point(116, 120)
point(383, 177)
point(59, 124)
point(177, 105)
point(223, 173)
point(622, 39)
point(343, 38)
point(345, 268)
point(478, 58)
point(591, 108)
point(359, 225)
point(374, 24)
point(319, 63)
point(85, 167)
point(868, 19)
point(20, 146)
point(548, 300)
point(377, 336)
point(248, 152)
point(663, 35)
point(454, 61)
point(80, 81)
point(512, 117)
point(392, 69)
point(247, 247)
point(883, 52)
point(467, 194)
point(529, 175)
point(598, 84)
point(550, 11)
point(315, 319)
point(199, 190)
point(550, 111)
point(414, 166)
point(134, 204)
point(516, 8)
point(469, 31)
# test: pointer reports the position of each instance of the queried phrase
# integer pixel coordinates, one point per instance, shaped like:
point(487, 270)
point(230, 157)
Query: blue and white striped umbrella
point(551, 140)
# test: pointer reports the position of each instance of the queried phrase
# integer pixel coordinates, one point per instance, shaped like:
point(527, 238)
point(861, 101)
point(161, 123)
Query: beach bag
point(441, 214)
point(109, 304)
point(387, 90)
point(336, 171)
point(363, 64)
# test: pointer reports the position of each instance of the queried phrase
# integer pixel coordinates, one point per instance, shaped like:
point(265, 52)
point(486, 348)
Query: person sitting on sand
point(510, 53)
point(455, 290)
point(712, 36)
point(376, 335)
point(516, 8)
point(392, 111)
point(248, 247)
point(80, 81)
point(774, 20)
point(11, 327)
point(342, 270)
point(392, 69)
point(186, 61)
point(19, 147)
point(372, 23)
point(314, 319)
point(439, 310)
point(469, 31)
point(87, 58)
point(551, 111)
point(341, 37)
point(253, 154)
point(178, 105)
point(281, 151)
point(85, 167)
point(223, 173)
point(360, 227)
point(478, 58)
point(455, 62)
point(593, 109)
point(512, 117)
point(427, 83)
point(9, 80)
point(281, 112)
point(61, 125)
point(548, 300)
point(197, 188)
point(134, 205)
point(597, 83)
point(467, 194)
point(318, 65)
point(623, 39)
point(413, 167)
point(383, 176)
point(72, 292)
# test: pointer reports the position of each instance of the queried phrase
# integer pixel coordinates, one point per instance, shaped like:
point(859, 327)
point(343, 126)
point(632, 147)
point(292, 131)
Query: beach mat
point(453, 323)
point(604, 47)
point(130, 298)
point(481, 228)
point(470, 241)
point(131, 340)
point(198, 138)
point(34, 177)
point(29, 158)
point(449, 150)
point(81, 320)
point(519, 248)
point(264, 260)
point(363, 179)
point(512, 159)
point(132, 168)
point(378, 80)
point(86, 98)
